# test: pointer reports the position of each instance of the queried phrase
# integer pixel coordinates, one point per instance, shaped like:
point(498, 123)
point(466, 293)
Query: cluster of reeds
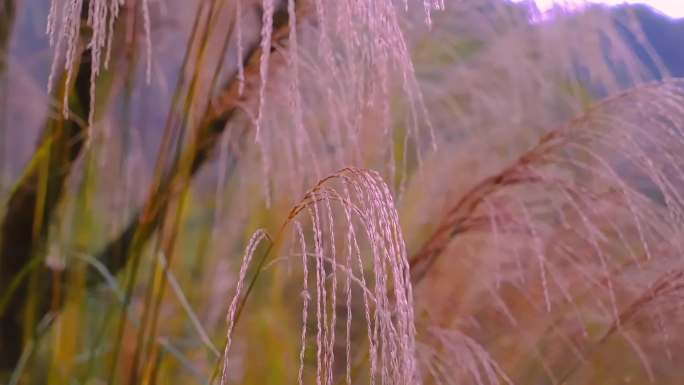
point(445, 194)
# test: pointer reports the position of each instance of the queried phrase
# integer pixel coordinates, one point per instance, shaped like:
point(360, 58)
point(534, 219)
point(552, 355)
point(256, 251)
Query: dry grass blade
point(32, 205)
point(163, 207)
point(29, 210)
point(206, 138)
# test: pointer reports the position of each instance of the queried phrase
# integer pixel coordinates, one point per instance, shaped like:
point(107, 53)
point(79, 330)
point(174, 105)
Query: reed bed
point(338, 192)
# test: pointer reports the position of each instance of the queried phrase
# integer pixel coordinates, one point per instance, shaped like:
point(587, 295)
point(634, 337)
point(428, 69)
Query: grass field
point(337, 192)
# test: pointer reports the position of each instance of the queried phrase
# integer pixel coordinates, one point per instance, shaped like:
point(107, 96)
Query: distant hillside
point(665, 35)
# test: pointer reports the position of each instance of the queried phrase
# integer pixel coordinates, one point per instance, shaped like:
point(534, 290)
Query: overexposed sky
point(674, 8)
